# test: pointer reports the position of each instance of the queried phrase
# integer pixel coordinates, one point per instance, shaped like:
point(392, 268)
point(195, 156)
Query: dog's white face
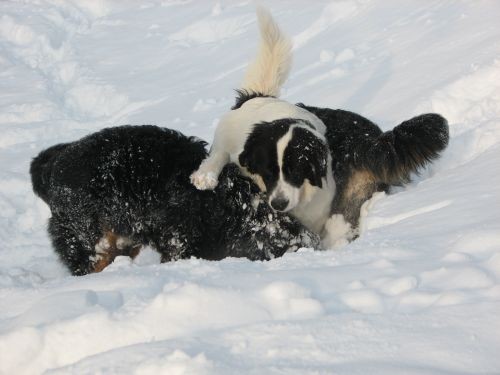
point(286, 158)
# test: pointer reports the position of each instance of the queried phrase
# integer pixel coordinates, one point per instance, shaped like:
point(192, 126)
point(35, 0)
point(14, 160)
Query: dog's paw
point(204, 180)
point(337, 232)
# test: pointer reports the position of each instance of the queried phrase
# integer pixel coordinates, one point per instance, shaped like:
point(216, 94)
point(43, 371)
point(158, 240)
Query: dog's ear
point(314, 175)
point(315, 169)
point(313, 156)
point(244, 158)
point(253, 154)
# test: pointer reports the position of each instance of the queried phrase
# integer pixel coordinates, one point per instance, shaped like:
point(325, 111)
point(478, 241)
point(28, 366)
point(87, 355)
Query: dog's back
point(392, 156)
point(123, 187)
point(366, 160)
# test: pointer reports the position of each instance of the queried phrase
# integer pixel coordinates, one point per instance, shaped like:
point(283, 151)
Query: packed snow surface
point(417, 293)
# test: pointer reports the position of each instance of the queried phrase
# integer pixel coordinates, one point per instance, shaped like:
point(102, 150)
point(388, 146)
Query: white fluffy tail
point(269, 71)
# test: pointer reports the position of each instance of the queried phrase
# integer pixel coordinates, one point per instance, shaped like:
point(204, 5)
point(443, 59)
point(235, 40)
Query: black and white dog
point(119, 189)
point(318, 164)
point(281, 146)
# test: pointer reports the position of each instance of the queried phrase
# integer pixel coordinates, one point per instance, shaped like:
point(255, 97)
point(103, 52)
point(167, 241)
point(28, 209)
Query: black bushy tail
point(408, 147)
point(41, 170)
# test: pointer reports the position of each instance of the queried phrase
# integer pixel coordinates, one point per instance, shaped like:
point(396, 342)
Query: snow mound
point(417, 293)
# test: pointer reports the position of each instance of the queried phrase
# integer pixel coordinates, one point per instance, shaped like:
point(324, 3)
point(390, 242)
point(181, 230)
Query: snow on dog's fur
point(119, 189)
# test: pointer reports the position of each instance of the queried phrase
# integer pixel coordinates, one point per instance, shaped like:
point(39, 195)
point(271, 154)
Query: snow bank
point(417, 293)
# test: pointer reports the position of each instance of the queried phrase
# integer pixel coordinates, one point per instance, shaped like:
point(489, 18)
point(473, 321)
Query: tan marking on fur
point(307, 191)
point(115, 246)
point(357, 185)
point(102, 264)
point(257, 179)
point(108, 254)
point(134, 251)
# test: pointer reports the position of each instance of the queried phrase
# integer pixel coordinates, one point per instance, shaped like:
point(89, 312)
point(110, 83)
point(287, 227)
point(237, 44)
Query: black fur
point(133, 182)
point(41, 170)
point(304, 157)
point(242, 96)
point(260, 154)
point(366, 160)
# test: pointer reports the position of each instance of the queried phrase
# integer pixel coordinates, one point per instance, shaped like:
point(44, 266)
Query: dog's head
point(288, 159)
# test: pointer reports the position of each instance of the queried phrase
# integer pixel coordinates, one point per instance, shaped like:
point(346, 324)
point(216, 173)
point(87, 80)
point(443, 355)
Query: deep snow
point(417, 293)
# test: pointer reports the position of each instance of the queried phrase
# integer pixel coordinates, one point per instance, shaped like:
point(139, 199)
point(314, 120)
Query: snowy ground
point(418, 293)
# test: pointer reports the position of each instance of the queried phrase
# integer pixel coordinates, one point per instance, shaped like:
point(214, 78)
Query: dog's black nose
point(279, 203)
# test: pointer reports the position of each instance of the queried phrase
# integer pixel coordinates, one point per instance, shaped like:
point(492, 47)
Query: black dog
point(366, 160)
point(121, 188)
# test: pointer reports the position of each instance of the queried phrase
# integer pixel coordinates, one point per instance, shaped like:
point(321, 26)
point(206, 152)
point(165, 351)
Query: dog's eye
point(267, 174)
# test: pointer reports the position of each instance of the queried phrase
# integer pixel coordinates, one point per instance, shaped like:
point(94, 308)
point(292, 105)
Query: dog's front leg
point(227, 139)
point(338, 232)
point(206, 177)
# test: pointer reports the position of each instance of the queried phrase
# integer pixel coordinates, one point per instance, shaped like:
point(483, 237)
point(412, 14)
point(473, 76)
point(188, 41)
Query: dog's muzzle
point(279, 203)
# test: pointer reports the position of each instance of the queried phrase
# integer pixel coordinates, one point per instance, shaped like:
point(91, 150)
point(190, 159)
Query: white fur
point(265, 75)
point(283, 188)
point(204, 180)
point(269, 71)
point(313, 209)
point(235, 126)
point(337, 232)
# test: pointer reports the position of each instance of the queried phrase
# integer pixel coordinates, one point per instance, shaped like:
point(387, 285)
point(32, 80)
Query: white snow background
point(417, 293)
